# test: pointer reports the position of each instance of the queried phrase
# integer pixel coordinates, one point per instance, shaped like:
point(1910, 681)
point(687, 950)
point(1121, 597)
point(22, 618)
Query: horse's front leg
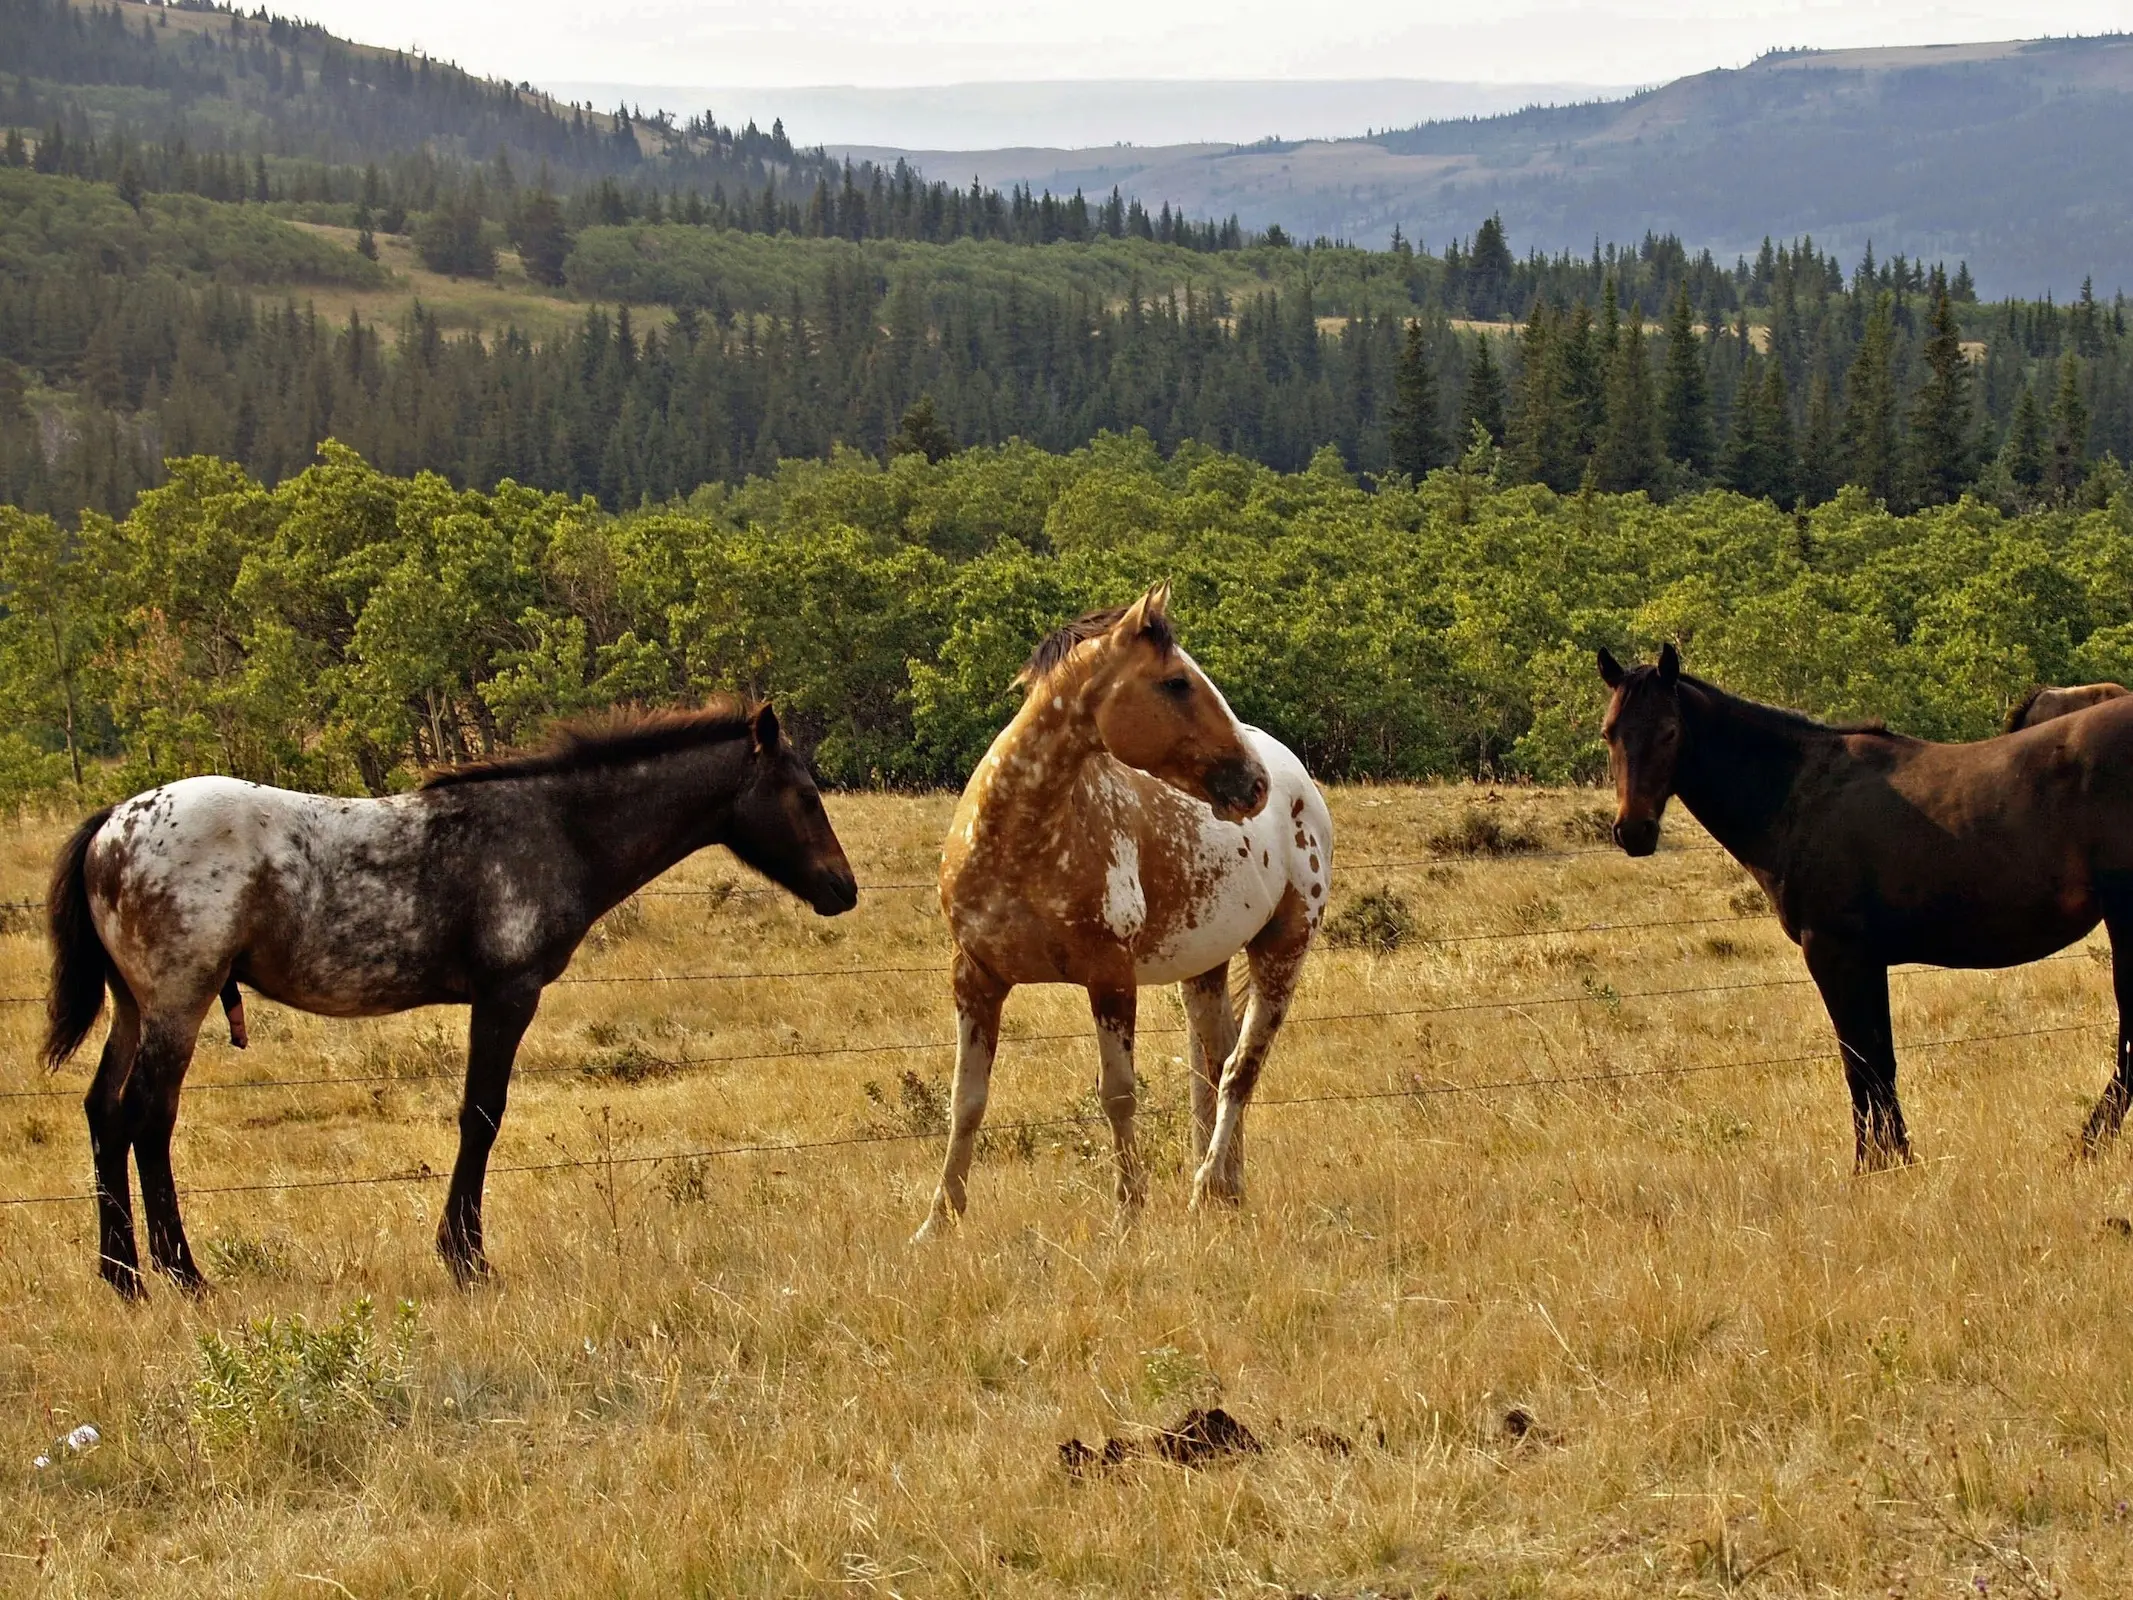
point(1276, 955)
point(2110, 1113)
point(978, 999)
point(1855, 989)
point(500, 1020)
point(1114, 1010)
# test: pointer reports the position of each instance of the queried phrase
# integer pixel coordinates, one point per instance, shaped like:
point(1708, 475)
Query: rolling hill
point(2008, 155)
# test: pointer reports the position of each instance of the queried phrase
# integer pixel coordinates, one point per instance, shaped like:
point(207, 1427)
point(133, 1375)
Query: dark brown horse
point(1877, 849)
point(473, 890)
point(2041, 705)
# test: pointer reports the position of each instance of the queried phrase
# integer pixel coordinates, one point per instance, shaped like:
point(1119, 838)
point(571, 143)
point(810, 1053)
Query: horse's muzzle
point(1236, 788)
point(834, 894)
point(1638, 836)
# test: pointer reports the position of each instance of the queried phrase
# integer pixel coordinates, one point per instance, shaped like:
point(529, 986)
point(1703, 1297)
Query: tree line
point(123, 342)
point(346, 628)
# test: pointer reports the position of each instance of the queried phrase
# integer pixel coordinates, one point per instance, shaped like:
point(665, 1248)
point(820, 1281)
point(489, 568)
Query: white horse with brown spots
point(1125, 830)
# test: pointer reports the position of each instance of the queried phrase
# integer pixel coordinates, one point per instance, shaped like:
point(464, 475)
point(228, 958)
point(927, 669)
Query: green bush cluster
point(345, 628)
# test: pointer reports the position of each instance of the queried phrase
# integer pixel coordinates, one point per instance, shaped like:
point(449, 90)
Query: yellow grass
point(461, 305)
point(1746, 1371)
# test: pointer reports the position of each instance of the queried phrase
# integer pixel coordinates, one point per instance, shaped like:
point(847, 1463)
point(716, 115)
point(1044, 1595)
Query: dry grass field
point(1631, 1336)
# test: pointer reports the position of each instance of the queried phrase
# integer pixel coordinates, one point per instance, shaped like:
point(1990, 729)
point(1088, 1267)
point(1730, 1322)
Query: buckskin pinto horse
point(2042, 705)
point(474, 889)
point(1877, 849)
point(1126, 830)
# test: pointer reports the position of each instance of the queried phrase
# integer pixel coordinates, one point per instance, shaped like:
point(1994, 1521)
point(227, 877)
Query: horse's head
point(780, 828)
point(1156, 710)
point(1643, 732)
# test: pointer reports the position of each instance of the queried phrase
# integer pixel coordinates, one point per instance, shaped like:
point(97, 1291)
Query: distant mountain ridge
point(2009, 155)
point(1094, 112)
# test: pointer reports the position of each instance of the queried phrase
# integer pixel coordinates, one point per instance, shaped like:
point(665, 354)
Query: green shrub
point(314, 1394)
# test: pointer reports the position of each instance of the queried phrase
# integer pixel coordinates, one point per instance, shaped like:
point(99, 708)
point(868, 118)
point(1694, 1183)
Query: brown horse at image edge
point(1877, 849)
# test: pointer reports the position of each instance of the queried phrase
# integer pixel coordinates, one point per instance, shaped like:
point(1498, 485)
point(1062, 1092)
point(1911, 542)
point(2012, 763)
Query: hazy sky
point(892, 42)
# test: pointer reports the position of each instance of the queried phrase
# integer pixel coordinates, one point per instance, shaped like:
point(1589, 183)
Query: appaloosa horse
point(2041, 705)
point(473, 890)
point(1877, 849)
point(1126, 830)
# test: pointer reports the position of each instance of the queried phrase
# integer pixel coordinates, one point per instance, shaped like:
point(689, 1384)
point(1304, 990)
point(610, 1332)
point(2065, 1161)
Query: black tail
point(80, 965)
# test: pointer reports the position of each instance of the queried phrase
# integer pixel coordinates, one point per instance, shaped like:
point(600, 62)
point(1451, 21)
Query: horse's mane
point(1779, 717)
point(615, 739)
point(1051, 654)
point(2020, 712)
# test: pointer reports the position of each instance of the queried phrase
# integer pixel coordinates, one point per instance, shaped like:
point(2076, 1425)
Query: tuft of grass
point(1377, 920)
point(1486, 830)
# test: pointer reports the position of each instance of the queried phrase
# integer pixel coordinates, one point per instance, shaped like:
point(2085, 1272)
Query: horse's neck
point(1738, 773)
point(634, 822)
point(1031, 769)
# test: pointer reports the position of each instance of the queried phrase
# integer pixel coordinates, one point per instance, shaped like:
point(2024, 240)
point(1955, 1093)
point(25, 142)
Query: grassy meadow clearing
point(1646, 1335)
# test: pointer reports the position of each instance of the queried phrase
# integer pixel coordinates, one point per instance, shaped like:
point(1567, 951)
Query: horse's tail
point(81, 967)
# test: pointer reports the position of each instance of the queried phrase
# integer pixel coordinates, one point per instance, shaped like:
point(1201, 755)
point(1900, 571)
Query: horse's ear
point(1149, 618)
point(1669, 663)
point(1611, 672)
point(763, 728)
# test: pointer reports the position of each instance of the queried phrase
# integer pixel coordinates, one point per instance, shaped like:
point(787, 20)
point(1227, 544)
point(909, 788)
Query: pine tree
point(1870, 410)
point(2067, 463)
point(1626, 458)
point(1685, 402)
point(1488, 271)
point(1761, 461)
point(1821, 448)
point(1413, 438)
point(1943, 453)
point(922, 433)
point(543, 241)
point(2022, 454)
point(1541, 428)
point(1584, 386)
point(1483, 400)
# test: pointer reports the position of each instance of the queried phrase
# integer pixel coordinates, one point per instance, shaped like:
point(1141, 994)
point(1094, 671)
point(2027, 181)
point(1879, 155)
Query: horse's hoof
point(936, 1227)
point(191, 1282)
point(1210, 1193)
point(126, 1280)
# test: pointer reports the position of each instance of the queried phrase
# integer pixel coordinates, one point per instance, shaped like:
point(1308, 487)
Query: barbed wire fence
point(1416, 1091)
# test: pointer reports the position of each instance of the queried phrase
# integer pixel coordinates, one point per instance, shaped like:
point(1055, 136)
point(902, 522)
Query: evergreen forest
point(753, 418)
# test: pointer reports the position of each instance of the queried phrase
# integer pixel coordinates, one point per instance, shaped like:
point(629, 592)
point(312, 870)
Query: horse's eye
point(1177, 688)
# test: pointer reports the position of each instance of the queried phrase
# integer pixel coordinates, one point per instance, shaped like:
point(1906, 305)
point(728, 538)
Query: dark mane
point(613, 740)
point(1059, 643)
point(2020, 713)
point(1779, 716)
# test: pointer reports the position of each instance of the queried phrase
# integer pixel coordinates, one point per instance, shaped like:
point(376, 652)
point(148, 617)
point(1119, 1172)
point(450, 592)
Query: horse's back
point(187, 878)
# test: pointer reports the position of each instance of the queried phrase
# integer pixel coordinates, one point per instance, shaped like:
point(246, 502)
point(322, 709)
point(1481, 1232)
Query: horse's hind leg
point(1276, 954)
point(1855, 989)
point(1211, 1024)
point(118, 1257)
point(978, 999)
point(2110, 1113)
point(151, 1105)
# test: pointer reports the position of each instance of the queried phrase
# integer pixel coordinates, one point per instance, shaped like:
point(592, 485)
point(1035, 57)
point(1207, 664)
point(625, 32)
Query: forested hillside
point(346, 627)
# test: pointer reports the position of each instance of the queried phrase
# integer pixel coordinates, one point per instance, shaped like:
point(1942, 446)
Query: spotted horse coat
point(1125, 830)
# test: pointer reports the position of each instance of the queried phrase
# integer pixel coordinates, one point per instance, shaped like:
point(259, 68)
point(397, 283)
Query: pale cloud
point(902, 42)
